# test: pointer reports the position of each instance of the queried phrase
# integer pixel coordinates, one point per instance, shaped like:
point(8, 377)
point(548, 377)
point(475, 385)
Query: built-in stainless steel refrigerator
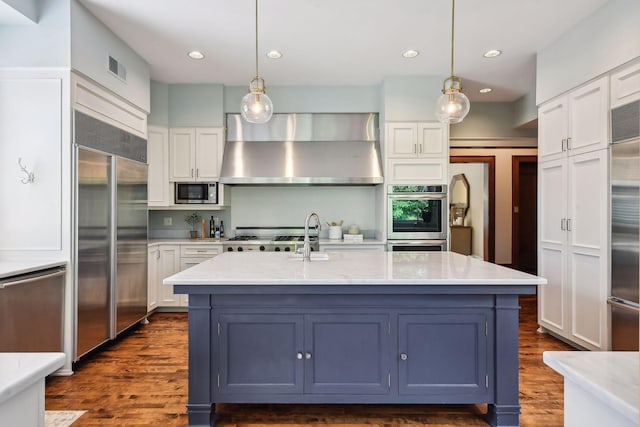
point(110, 231)
point(625, 226)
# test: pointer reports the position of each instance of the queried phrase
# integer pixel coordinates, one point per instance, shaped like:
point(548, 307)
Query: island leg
point(506, 409)
point(200, 408)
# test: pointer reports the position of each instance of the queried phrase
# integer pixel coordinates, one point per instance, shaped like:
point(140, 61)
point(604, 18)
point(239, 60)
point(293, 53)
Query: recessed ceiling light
point(274, 54)
point(492, 53)
point(196, 54)
point(485, 90)
point(411, 53)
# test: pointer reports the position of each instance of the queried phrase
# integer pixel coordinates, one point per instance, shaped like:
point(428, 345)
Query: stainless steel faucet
point(306, 251)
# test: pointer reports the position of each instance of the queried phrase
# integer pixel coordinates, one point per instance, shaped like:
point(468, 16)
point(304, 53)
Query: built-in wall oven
point(417, 218)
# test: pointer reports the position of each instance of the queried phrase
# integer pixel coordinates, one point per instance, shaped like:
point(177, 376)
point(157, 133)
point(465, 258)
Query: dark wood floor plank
point(141, 380)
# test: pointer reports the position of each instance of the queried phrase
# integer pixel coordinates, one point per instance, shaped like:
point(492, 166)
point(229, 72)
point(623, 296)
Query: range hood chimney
point(333, 149)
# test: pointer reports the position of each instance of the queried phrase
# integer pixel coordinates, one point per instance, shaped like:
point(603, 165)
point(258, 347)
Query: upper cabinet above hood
point(303, 149)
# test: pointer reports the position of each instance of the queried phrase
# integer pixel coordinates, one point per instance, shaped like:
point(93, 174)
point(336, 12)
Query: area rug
point(61, 418)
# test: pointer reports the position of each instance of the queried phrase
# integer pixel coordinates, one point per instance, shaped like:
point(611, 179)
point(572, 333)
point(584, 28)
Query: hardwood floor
point(141, 380)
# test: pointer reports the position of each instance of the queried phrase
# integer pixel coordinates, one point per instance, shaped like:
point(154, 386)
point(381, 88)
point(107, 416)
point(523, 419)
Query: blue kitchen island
point(358, 327)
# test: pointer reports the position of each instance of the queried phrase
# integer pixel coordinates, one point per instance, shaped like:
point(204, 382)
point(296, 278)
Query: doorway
point(524, 233)
point(489, 203)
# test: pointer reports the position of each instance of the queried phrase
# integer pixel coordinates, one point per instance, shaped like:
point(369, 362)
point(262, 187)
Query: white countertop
point(611, 376)
point(13, 267)
point(18, 371)
point(350, 267)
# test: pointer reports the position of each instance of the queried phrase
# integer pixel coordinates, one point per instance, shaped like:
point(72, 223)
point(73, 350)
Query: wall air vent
point(117, 68)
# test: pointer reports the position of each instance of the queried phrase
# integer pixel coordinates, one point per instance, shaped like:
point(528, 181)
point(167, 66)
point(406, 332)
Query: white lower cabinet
point(573, 248)
point(169, 265)
point(336, 247)
point(167, 259)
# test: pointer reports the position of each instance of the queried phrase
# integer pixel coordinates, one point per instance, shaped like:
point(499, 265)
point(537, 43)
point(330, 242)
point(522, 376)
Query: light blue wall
point(196, 105)
point(608, 38)
point(27, 8)
point(159, 114)
point(48, 42)
point(311, 99)
point(92, 43)
point(410, 98)
point(525, 109)
point(489, 120)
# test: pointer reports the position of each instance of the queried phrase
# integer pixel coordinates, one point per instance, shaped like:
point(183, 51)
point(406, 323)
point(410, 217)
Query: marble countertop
point(350, 267)
point(13, 267)
point(18, 371)
point(610, 375)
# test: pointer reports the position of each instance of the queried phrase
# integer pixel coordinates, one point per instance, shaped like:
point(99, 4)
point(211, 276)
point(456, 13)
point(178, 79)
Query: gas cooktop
point(270, 239)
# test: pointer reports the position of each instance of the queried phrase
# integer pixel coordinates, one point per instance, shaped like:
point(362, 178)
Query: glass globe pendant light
point(453, 105)
point(256, 107)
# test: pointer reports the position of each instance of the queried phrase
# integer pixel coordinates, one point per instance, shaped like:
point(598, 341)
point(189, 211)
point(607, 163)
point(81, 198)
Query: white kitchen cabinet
point(167, 259)
point(575, 123)
point(625, 85)
point(159, 188)
point(195, 154)
point(338, 247)
point(417, 153)
point(191, 255)
point(169, 265)
point(417, 140)
point(573, 247)
point(153, 277)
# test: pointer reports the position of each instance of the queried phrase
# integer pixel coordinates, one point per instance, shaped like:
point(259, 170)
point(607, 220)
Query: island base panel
point(201, 415)
point(503, 415)
point(206, 314)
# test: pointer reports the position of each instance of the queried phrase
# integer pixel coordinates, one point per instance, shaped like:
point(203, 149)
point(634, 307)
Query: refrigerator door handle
point(623, 304)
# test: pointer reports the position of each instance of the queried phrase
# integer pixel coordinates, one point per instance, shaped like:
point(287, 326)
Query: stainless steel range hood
point(303, 149)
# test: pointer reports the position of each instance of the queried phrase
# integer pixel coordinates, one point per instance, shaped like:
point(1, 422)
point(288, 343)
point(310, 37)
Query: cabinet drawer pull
point(415, 150)
point(191, 172)
point(562, 224)
point(403, 356)
point(307, 355)
point(569, 224)
point(564, 141)
point(299, 355)
point(568, 144)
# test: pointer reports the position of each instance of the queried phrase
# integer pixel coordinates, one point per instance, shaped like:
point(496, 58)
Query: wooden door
point(524, 234)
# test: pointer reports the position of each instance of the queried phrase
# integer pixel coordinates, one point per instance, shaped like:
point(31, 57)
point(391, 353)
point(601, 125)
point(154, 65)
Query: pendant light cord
point(453, 7)
point(257, 75)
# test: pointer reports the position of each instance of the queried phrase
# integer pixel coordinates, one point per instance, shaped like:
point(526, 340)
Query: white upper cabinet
point(625, 85)
point(417, 153)
point(195, 154)
point(159, 192)
point(416, 140)
point(575, 123)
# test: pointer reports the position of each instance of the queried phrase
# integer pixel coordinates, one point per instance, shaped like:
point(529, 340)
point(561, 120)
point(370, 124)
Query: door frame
point(490, 210)
point(515, 201)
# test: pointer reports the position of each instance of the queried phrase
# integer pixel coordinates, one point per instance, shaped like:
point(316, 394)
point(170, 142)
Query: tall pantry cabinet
point(573, 218)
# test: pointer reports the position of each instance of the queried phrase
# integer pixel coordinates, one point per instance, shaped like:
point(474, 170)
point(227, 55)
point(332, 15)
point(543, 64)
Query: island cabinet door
point(347, 354)
point(260, 354)
point(444, 355)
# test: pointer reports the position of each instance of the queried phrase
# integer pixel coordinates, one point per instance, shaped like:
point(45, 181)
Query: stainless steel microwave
point(417, 212)
point(196, 193)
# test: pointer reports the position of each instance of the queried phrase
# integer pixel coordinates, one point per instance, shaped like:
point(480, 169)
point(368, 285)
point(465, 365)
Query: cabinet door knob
point(403, 356)
point(299, 355)
point(307, 355)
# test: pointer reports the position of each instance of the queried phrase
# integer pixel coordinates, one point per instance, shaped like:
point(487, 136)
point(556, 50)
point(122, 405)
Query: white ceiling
point(343, 42)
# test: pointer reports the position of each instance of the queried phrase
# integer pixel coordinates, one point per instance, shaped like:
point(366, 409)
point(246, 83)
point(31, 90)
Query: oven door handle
point(416, 242)
point(439, 196)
